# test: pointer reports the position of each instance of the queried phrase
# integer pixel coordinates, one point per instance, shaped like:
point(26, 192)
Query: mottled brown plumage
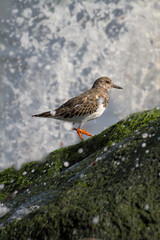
point(85, 107)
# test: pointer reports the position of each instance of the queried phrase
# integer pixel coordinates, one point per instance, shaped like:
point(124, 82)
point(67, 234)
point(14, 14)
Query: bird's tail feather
point(44, 114)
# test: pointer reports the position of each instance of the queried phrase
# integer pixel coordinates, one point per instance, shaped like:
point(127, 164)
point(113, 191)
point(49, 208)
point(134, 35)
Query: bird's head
point(105, 83)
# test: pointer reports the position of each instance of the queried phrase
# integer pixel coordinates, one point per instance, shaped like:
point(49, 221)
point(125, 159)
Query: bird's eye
point(107, 81)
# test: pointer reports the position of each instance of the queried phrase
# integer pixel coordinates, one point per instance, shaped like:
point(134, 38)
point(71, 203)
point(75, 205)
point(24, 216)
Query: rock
point(106, 187)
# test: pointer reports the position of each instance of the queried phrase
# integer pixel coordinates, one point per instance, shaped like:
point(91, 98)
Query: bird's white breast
point(98, 112)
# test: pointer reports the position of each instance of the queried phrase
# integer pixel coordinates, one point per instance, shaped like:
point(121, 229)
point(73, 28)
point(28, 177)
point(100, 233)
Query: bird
point(85, 107)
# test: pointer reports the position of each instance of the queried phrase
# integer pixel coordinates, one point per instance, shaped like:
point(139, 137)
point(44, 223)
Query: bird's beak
point(115, 86)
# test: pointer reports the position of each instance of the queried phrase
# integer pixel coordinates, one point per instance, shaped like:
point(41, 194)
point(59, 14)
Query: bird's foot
point(82, 131)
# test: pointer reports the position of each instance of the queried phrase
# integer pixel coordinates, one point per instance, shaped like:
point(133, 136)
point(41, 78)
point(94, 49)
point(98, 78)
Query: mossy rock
point(109, 191)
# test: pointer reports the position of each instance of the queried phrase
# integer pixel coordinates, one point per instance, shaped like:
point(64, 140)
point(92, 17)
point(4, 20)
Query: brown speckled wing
point(85, 103)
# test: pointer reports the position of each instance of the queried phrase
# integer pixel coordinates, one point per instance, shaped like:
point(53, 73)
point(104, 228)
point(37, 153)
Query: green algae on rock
point(110, 190)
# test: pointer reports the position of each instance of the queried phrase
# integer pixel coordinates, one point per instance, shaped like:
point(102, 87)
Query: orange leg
point(82, 131)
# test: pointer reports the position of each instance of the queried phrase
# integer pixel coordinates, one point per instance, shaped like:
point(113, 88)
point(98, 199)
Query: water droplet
point(66, 164)
point(81, 175)
point(144, 145)
point(80, 150)
point(146, 207)
point(98, 158)
point(1, 186)
point(14, 193)
point(74, 231)
point(95, 219)
point(144, 135)
point(105, 149)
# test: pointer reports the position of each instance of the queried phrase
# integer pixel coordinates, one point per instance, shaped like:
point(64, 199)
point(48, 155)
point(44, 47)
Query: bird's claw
point(82, 131)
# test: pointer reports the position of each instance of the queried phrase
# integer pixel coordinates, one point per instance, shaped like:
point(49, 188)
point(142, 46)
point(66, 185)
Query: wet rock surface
point(106, 187)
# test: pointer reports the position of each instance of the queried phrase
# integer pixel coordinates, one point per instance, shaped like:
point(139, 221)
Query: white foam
point(27, 13)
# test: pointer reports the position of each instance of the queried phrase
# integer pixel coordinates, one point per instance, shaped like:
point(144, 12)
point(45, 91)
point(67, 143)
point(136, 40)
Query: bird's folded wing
point(78, 106)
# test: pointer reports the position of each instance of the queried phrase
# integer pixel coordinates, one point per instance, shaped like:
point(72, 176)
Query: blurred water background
point(52, 50)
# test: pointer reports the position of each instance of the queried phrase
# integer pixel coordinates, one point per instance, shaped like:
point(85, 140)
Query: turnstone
point(87, 106)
